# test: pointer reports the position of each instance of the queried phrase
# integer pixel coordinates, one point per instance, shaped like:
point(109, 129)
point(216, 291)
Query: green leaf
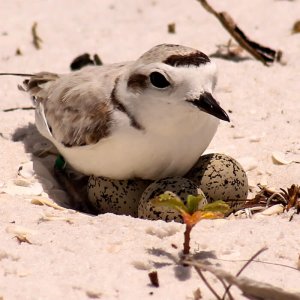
point(193, 203)
point(171, 200)
point(200, 215)
point(217, 206)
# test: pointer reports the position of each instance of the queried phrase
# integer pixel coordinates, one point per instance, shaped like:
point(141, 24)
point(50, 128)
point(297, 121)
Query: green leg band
point(60, 163)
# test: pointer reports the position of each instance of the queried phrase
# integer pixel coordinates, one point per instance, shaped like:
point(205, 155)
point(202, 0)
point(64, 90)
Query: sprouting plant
point(191, 213)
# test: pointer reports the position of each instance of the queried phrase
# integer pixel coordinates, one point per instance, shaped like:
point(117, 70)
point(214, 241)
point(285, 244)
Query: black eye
point(158, 80)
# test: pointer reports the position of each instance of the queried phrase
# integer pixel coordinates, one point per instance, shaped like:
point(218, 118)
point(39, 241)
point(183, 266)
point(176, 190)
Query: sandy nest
point(52, 253)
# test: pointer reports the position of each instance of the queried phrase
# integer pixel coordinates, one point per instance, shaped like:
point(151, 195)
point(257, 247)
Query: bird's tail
point(34, 84)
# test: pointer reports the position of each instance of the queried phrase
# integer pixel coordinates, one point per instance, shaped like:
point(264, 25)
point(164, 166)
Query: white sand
point(109, 256)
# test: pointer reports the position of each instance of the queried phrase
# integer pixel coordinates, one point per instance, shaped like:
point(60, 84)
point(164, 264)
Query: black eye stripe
point(158, 80)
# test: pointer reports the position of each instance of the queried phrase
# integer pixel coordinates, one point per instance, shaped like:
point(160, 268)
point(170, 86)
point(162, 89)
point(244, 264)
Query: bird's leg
point(75, 185)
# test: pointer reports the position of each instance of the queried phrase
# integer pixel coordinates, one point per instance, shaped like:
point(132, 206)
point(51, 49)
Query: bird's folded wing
point(73, 109)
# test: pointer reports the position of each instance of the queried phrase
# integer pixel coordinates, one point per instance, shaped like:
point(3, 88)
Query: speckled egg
point(178, 185)
point(220, 177)
point(120, 197)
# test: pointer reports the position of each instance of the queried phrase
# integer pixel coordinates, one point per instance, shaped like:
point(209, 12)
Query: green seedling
point(190, 212)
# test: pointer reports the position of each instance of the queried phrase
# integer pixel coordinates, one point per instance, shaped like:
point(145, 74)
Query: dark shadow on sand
point(181, 272)
point(30, 137)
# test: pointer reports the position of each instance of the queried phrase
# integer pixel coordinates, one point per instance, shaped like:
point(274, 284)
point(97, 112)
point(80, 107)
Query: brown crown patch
point(194, 59)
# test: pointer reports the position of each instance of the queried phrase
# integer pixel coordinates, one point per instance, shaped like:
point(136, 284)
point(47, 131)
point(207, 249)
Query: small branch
point(244, 267)
point(250, 260)
point(209, 286)
point(294, 194)
point(206, 282)
point(264, 54)
point(97, 60)
point(17, 108)
point(226, 287)
point(261, 262)
point(154, 278)
point(273, 196)
point(36, 40)
point(84, 60)
point(249, 287)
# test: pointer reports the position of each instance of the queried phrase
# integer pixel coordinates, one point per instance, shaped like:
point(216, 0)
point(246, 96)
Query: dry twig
point(266, 197)
point(22, 239)
point(249, 287)
point(264, 54)
point(243, 268)
point(228, 51)
point(154, 278)
point(206, 282)
point(36, 40)
point(292, 196)
point(17, 108)
point(85, 60)
point(197, 294)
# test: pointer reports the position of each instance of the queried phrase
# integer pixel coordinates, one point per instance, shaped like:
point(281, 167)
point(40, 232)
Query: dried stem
point(273, 196)
point(206, 282)
point(294, 193)
point(36, 40)
point(16, 108)
point(225, 286)
point(153, 276)
point(264, 54)
point(244, 267)
point(249, 287)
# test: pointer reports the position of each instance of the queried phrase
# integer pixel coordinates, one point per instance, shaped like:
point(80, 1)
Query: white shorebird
point(150, 118)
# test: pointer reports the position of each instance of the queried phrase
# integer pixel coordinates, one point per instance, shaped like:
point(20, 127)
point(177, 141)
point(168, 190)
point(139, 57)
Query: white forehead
point(204, 75)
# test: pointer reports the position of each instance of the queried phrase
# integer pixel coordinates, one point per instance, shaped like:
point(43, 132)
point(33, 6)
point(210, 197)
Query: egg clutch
point(215, 176)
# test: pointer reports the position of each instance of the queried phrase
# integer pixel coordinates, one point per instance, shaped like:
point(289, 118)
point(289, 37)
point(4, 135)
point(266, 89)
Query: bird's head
point(172, 76)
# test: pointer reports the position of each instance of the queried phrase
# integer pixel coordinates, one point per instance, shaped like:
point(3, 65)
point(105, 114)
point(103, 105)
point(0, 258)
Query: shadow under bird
point(150, 118)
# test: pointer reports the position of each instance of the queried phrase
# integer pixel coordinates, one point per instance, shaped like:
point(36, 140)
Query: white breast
point(131, 153)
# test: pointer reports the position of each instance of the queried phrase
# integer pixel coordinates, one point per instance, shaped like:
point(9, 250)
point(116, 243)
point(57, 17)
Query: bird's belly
point(139, 155)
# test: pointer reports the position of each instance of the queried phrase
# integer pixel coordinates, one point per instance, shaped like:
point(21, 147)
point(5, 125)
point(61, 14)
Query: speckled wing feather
point(76, 107)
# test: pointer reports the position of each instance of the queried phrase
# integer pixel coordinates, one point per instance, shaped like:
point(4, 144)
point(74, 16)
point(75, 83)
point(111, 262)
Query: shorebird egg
point(182, 187)
point(120, 197)
point(220, 177)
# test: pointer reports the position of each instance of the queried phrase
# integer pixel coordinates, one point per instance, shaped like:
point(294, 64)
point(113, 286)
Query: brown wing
point(77, 108)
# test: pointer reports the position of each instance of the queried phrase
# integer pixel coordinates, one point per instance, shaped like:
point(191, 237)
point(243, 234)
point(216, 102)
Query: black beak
point(208, 104)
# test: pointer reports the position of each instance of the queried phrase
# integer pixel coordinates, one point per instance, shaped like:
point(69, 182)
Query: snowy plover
point(150, 118)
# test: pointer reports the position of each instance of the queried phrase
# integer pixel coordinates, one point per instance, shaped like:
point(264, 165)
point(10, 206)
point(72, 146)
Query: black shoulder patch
point(194, 59)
